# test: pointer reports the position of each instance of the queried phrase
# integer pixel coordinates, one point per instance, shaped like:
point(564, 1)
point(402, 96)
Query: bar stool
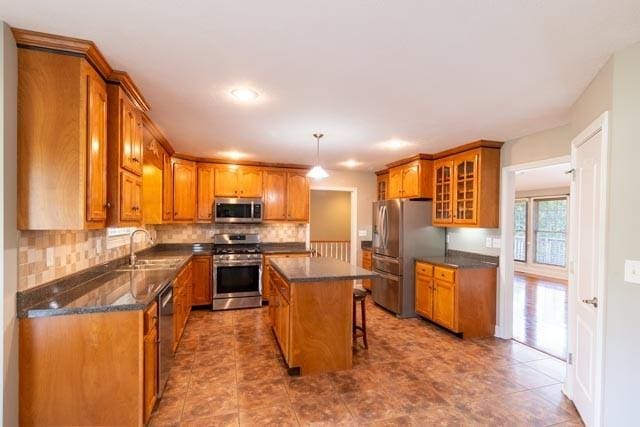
point(360, 295)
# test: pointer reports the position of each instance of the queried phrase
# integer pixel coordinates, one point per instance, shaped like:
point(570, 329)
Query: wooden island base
point(312, 323)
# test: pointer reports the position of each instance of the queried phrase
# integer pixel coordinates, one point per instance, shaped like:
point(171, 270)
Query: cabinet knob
point(107, 205)
point(135, 159)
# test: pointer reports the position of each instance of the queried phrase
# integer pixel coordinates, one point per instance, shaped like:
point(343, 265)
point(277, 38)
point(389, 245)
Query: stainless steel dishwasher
point(165, 332)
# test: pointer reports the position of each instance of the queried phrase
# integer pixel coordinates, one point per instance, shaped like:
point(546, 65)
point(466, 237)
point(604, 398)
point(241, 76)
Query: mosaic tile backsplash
point(191, 233)
point(74, 251)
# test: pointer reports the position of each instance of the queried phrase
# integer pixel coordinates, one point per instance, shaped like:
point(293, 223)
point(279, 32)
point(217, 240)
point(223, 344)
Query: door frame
point(354, 217)
point(601, 124)
point(504, 327)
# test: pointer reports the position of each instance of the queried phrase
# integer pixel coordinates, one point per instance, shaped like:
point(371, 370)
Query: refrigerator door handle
point(385, 221)
point(388, 276)
point(386, 259)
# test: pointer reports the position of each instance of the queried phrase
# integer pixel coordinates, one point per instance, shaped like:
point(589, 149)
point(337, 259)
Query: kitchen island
point(310, 307)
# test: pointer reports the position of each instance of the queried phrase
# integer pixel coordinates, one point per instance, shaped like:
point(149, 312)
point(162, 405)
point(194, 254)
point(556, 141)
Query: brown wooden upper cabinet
point(297, 196)
point(206, 179)
point(167, 188)
point(62, 141)
point(184, 190)
point(275, 195)
point(383, 184)
point(285, 195)
point(411, 180)
point(238, 181)
point(466, 187)
point(125, 157)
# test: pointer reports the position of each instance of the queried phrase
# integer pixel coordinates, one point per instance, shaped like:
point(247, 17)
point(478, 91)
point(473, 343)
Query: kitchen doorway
point(540, 242)
point(332, 223)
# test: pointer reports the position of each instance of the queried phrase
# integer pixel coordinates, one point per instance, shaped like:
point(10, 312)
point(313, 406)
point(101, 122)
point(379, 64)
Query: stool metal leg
point(364, 323)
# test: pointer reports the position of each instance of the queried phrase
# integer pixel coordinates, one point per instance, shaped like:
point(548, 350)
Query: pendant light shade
point(317, 172)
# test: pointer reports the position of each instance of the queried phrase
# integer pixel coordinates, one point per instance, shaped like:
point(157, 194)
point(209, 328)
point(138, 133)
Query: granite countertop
point(318, 269)
point(284, 248)
point(459, 261)
point(104, 288)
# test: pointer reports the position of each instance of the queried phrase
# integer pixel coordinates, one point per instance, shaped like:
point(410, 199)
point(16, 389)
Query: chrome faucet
point(132, 255)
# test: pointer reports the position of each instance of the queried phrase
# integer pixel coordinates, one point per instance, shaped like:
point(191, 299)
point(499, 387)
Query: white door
point(587, 230)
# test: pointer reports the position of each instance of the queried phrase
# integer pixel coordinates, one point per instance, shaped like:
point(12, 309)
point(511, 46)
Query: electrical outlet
point(50, 257)
point(448, 238)
point(489, 242)
point(362, 233)
point(496, 242)
point(632, 271)
point(98, 246)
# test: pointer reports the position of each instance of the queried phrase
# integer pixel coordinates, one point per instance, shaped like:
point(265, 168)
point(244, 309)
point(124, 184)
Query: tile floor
point(229, 373)
point(540, 314)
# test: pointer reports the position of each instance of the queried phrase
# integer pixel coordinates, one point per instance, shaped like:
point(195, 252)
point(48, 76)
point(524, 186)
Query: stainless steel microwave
point(238, 210)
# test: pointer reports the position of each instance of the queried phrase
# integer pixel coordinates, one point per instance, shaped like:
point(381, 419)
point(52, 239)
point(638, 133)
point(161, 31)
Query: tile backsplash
point(77, 250)
point(72, 251)
point(269, 232)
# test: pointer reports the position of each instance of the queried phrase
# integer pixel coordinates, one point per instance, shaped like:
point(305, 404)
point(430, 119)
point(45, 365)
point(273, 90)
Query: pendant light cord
point(318, 136)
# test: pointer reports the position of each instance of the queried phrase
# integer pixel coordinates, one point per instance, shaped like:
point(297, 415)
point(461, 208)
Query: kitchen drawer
point(150, 318)
point(426, 269)
point(445, 274)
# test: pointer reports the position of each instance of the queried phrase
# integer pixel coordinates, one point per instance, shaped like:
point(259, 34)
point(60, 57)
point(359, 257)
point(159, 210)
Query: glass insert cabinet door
point(466, 189)
point(443, 192)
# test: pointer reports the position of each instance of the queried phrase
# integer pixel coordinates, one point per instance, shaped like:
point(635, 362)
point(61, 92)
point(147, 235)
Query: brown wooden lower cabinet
point(150, 359)
point(312, 323)
point(266, 271)
point(366, 264)
point(182, 299)
point(202, 292)
point(462, 300)
point(84, 369)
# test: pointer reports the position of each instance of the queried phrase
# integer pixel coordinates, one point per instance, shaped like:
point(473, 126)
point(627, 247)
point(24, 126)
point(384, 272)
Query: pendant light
point(317, 172)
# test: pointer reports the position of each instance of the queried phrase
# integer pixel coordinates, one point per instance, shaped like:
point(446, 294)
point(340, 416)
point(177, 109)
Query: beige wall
point(365, 182)
point(543, 145)
point(622, 314)
point(9, 262)
point(330, 217)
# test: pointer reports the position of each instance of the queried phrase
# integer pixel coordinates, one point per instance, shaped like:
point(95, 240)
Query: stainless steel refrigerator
point(402, 231)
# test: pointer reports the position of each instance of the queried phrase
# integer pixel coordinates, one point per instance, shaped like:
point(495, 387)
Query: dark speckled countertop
point(104, 288)
point(319, 269)
point(459, 259)
point(283, 248)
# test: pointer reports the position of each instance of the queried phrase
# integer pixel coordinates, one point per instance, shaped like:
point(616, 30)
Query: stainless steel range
point(237, 271)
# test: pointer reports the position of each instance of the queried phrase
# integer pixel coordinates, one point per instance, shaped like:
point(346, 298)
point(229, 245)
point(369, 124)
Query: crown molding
point(157, 134)
point(62, 44)
point(124, 80)
point(240, 162)
point(481, 143)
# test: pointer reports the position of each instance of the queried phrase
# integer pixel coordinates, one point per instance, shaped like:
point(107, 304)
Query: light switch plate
point(362, 233)
point(632, 271)
point(496, 242)
point(489, 242)
point(50, 257)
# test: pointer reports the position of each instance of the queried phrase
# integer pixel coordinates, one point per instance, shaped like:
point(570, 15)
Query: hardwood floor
point(540, 314)
point(229, 372)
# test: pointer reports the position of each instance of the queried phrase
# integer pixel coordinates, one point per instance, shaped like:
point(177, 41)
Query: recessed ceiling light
point(244, 94)
point(233, 155)
point(394, 144)
point(351, 163)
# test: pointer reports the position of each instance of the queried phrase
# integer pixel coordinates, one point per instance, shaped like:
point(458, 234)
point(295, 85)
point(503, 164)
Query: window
point(550, 231)
point(520, 230)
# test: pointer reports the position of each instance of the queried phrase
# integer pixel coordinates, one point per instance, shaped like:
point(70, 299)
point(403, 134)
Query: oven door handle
point(236, 263)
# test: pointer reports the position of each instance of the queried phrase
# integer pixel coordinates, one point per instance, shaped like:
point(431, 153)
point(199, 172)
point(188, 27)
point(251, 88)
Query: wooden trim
point(481, 143)
point(86, 48)
point(124, 80)
point(382, 172)
point(419, 156)
point(157, 134)
point(239, 162)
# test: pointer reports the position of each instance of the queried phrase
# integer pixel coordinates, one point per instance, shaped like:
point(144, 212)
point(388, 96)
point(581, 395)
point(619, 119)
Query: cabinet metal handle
point(135, 159)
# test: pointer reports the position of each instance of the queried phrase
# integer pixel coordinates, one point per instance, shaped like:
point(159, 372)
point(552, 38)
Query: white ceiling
point(433, 73)
point(543, 178)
